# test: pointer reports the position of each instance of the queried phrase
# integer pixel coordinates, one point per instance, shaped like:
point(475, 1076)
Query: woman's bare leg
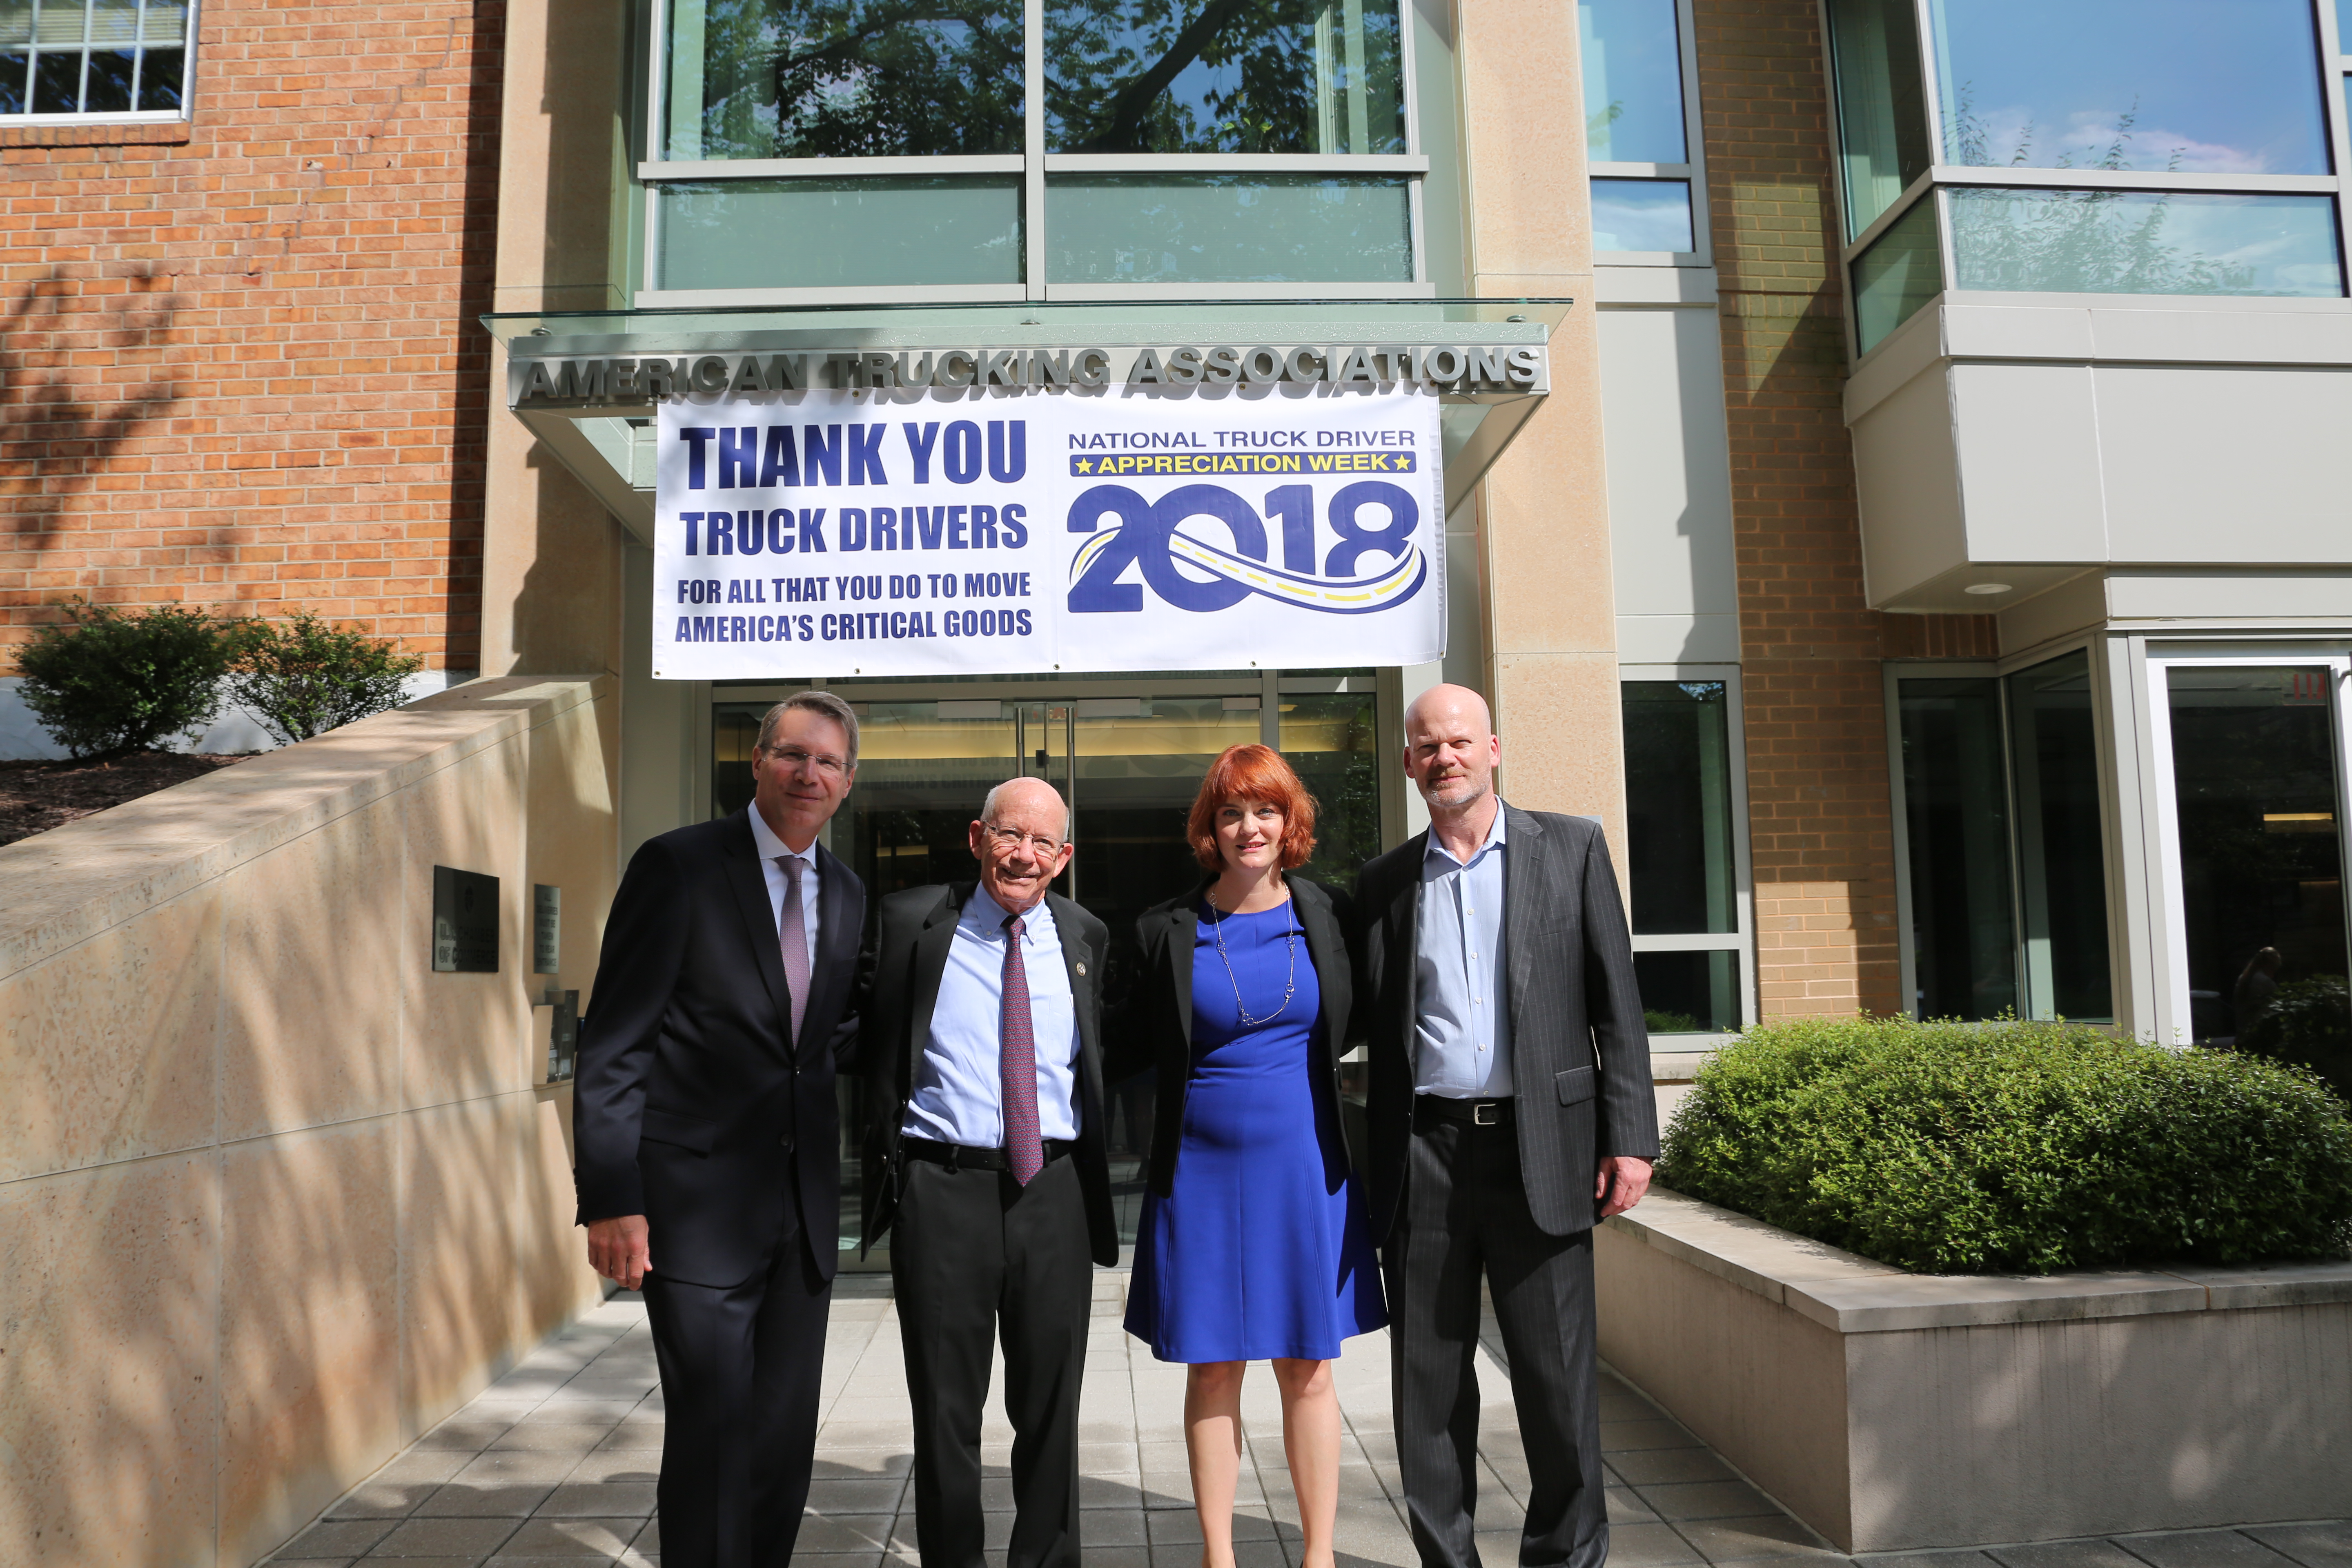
point(1310, 1440)
point(1212, 1443)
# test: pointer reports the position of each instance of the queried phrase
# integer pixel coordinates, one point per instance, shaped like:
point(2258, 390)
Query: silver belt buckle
point(1485, 1113)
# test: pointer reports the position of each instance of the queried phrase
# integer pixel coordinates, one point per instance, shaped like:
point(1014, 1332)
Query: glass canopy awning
point(608, 442)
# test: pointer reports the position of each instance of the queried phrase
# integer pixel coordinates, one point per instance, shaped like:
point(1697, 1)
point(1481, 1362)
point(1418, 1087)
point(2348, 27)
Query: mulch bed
point(37, 796)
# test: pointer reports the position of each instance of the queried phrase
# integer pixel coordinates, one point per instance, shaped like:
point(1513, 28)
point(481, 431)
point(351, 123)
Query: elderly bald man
point(981, 1022)
point(1509, 1108)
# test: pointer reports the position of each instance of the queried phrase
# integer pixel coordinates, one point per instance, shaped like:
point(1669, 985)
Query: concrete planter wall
point(1899, 1412)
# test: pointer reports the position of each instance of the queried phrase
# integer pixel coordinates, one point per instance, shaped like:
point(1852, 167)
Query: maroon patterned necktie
point(1016, 1064)
point(791, 938)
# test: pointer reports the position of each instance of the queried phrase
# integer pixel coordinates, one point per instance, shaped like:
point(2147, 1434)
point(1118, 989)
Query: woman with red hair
point(1251, 1244)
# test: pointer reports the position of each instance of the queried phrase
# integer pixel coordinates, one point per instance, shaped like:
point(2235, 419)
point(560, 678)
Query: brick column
point(1820, 804)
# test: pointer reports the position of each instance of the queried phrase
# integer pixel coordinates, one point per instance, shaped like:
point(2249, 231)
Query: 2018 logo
point(1146, 535)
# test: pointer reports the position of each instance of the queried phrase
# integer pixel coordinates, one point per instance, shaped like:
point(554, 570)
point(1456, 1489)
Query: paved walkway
point(555, 1464)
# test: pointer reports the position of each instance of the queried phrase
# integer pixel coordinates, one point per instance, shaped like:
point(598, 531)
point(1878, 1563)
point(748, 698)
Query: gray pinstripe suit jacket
point(1580, 1051)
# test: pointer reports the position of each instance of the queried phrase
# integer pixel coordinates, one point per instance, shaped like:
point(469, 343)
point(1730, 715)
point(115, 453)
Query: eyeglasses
point(826, 763)
point(1008, 838)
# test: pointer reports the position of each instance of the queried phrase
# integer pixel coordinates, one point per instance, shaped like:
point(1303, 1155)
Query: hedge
point(2015, 1148)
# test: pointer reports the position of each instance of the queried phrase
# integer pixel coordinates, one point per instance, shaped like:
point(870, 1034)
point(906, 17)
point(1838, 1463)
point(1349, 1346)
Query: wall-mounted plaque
point(546, 929)
point(563, 1035)
point(464, 922)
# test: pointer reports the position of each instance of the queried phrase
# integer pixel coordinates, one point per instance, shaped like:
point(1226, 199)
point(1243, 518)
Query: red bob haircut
point(1251, 774)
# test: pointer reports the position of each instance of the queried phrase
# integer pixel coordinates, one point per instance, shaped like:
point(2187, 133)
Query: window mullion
point(1033, 116)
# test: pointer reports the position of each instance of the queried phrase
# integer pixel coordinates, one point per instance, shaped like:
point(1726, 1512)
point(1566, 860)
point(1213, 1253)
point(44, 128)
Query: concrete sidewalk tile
point(2064, 1555)
point(381, 1499)
point(1170, 1526)
point(1955, 1559)
point(1113, 1527)
point(608, 1538)
point(1757, 1536)
point(2201, 1549)
point(517, 1467)
point(461, 1500)
point(1706, 1500)
point(467, 1431)
point(472, 1538)
point(856, 1494)
point(847, 1532)
point(607, 1466)
point(2313, 1545)
point(833, 1459)
point(1657, 1467)
point(1109, 1492)
point(338, 1538)
point(1246, 1554)
point(1624, 1436)
point(996, 1494)
point(1106, 1556)
point(1650, 1546)
point(1625, 1507)
point(610, 1499)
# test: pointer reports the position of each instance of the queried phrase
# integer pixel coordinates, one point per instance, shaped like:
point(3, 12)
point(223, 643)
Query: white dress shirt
point(957, 1097)
point(771, 847)
point(1463, 1049)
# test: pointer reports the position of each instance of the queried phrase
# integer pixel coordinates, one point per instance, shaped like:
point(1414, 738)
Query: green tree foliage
point(106, 681)
point(310, 677)
point(1950, 1148)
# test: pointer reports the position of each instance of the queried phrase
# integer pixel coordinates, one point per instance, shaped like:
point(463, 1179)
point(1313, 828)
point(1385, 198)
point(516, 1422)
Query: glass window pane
point(1956, 827)
point(1680, 871)
point(56, 81)
point(107, 90)
point(809, 234)
point(114, 22)
point(1688, 993)
point(164, 22)
point(2132, 84)
point(2061, 842)
point(16, 22)
point(2262, 868)
point(159, 78)
point(1633, 82)
point(1223, 76)
point(13, 68)
point(818, 78)
point(1641, 214)
point(2145, 242)
point(1882, 111)
point(1900, 272)
point(1331, 740)
point(62, 22)
point(1228, 228)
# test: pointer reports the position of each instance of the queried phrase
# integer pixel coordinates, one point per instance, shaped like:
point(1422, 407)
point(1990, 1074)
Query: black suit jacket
point(899, 984)
point(690, 1105)
point(1155, 1028)
point(1580, 1050)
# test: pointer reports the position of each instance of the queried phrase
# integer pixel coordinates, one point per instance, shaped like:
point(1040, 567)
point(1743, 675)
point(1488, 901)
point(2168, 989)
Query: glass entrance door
point(1129, 764)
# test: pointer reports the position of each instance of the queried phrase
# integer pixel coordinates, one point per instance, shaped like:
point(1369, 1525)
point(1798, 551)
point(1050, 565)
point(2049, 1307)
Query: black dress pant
point(974, 1255)
point(740, 1366)
point(1464, 1213)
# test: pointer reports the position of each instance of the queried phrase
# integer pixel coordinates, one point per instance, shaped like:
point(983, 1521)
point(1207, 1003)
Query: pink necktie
point(1016, 1064)
point(791, 936)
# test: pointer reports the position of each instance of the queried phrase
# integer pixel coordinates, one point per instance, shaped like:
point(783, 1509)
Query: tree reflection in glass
point(1223, 76)
point(836, 79)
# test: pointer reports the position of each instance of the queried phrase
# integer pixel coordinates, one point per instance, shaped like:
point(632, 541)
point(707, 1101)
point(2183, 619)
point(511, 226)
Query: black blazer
point(1579, 1049)
point(899, 984)
point(1155, 1028)
point(690, 1105)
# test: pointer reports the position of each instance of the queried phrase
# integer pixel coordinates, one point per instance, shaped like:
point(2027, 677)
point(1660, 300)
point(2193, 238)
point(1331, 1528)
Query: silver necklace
point(1290, 981)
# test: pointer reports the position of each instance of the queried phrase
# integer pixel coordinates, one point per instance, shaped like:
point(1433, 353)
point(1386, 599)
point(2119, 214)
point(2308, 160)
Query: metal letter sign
point(966, 529)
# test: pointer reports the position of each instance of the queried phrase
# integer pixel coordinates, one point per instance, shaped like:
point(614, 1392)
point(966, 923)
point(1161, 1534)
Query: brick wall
point(1812, 651)
point(239, 365)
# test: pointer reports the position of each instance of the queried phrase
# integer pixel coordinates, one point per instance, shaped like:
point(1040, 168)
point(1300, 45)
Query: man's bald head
point(1449, 750)
point(1026, 796)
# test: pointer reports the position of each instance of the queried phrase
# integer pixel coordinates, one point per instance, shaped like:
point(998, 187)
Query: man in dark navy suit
point(707, 1134)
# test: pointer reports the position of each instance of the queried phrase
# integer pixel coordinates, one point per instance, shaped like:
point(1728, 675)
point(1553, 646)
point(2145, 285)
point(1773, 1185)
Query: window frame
point(1741, 939)
point(1034, 164)
point(1692, 172)
point(179, 116)
point(2335, 71)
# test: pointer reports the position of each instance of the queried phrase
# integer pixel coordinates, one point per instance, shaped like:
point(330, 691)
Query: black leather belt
point(964, 1157)
point(1470, 1112)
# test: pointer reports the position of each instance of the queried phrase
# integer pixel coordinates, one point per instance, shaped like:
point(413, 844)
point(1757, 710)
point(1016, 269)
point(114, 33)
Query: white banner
point(952, 531)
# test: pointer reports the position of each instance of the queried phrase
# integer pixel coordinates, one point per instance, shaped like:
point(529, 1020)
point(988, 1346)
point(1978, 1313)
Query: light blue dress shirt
point(957, 1098)
point(770, 846)
point(1463, 1028)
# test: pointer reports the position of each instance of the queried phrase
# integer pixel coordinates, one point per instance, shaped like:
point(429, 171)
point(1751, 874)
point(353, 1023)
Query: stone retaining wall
point(274, 1196)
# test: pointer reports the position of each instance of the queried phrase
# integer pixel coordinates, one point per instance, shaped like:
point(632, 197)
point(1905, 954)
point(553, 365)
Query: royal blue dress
point(1260, 1249)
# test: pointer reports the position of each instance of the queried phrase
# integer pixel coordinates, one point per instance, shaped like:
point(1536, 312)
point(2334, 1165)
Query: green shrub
point(2309, 1024)
point(311, 676)
point(106, 681)
point(2018, 1148)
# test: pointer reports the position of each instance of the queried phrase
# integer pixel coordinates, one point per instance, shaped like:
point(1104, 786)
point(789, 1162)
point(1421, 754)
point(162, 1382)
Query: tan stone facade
point(237, 363)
